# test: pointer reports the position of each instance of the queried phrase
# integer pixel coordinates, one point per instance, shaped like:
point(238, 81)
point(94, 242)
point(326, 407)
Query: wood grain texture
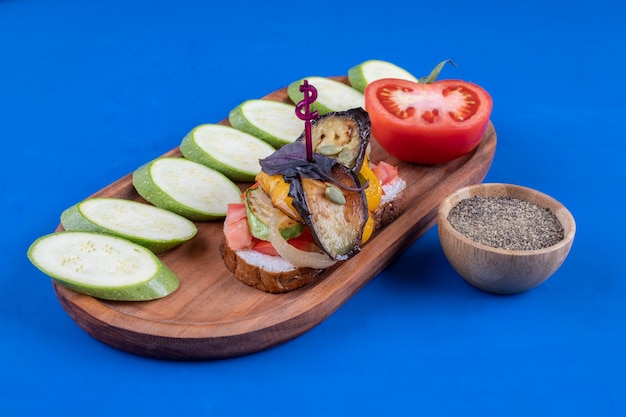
point(213, 315)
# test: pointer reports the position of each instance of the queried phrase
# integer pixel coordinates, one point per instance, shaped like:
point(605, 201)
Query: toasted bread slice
point(267, 273)
point(392, 204)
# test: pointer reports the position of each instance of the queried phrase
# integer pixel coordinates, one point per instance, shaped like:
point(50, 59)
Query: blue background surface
point(91, 90)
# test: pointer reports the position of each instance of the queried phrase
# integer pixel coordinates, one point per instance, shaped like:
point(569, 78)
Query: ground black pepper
point(506, 223)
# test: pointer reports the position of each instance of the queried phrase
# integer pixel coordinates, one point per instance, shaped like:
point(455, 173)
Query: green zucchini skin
point(162, 285)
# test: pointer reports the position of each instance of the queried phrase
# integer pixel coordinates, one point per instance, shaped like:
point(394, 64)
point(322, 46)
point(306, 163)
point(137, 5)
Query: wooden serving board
point(213, 315)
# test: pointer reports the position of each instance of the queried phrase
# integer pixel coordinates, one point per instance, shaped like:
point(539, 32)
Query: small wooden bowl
point(497, 270)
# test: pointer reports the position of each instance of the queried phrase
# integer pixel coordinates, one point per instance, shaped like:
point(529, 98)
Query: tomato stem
point(432, 77)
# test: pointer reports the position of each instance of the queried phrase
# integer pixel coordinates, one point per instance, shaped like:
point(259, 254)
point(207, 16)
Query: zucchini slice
point(103, 266)
point(232, 152)
point(259, 209)
point(147, 225)
point(366, 72)
point(187, 188)
point(332, 95)
point(274, 122)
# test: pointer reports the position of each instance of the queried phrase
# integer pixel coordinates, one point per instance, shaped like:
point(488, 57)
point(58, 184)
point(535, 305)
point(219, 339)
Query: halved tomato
point(427, 123)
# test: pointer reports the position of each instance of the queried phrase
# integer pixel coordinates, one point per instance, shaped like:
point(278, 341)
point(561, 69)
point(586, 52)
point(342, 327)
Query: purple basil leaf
point(290, 161)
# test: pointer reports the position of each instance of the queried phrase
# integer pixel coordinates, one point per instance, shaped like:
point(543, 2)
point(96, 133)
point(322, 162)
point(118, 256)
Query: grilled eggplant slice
point(336, 223)
point(343, 136)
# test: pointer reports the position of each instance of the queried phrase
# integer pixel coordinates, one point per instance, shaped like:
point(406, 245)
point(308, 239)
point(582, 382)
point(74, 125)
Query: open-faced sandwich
point(309, 210)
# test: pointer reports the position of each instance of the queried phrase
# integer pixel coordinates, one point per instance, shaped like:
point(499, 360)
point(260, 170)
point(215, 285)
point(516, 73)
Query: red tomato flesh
point(427, 123)
point(236, 229)
point(385, 172)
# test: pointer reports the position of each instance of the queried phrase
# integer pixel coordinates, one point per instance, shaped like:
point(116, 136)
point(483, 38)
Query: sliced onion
point(294, 255)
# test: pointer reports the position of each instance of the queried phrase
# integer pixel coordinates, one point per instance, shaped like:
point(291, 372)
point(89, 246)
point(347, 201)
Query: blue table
point(91, 90)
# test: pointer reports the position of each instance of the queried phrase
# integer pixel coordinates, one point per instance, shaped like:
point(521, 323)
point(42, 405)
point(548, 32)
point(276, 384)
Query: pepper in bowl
point(504, 238)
